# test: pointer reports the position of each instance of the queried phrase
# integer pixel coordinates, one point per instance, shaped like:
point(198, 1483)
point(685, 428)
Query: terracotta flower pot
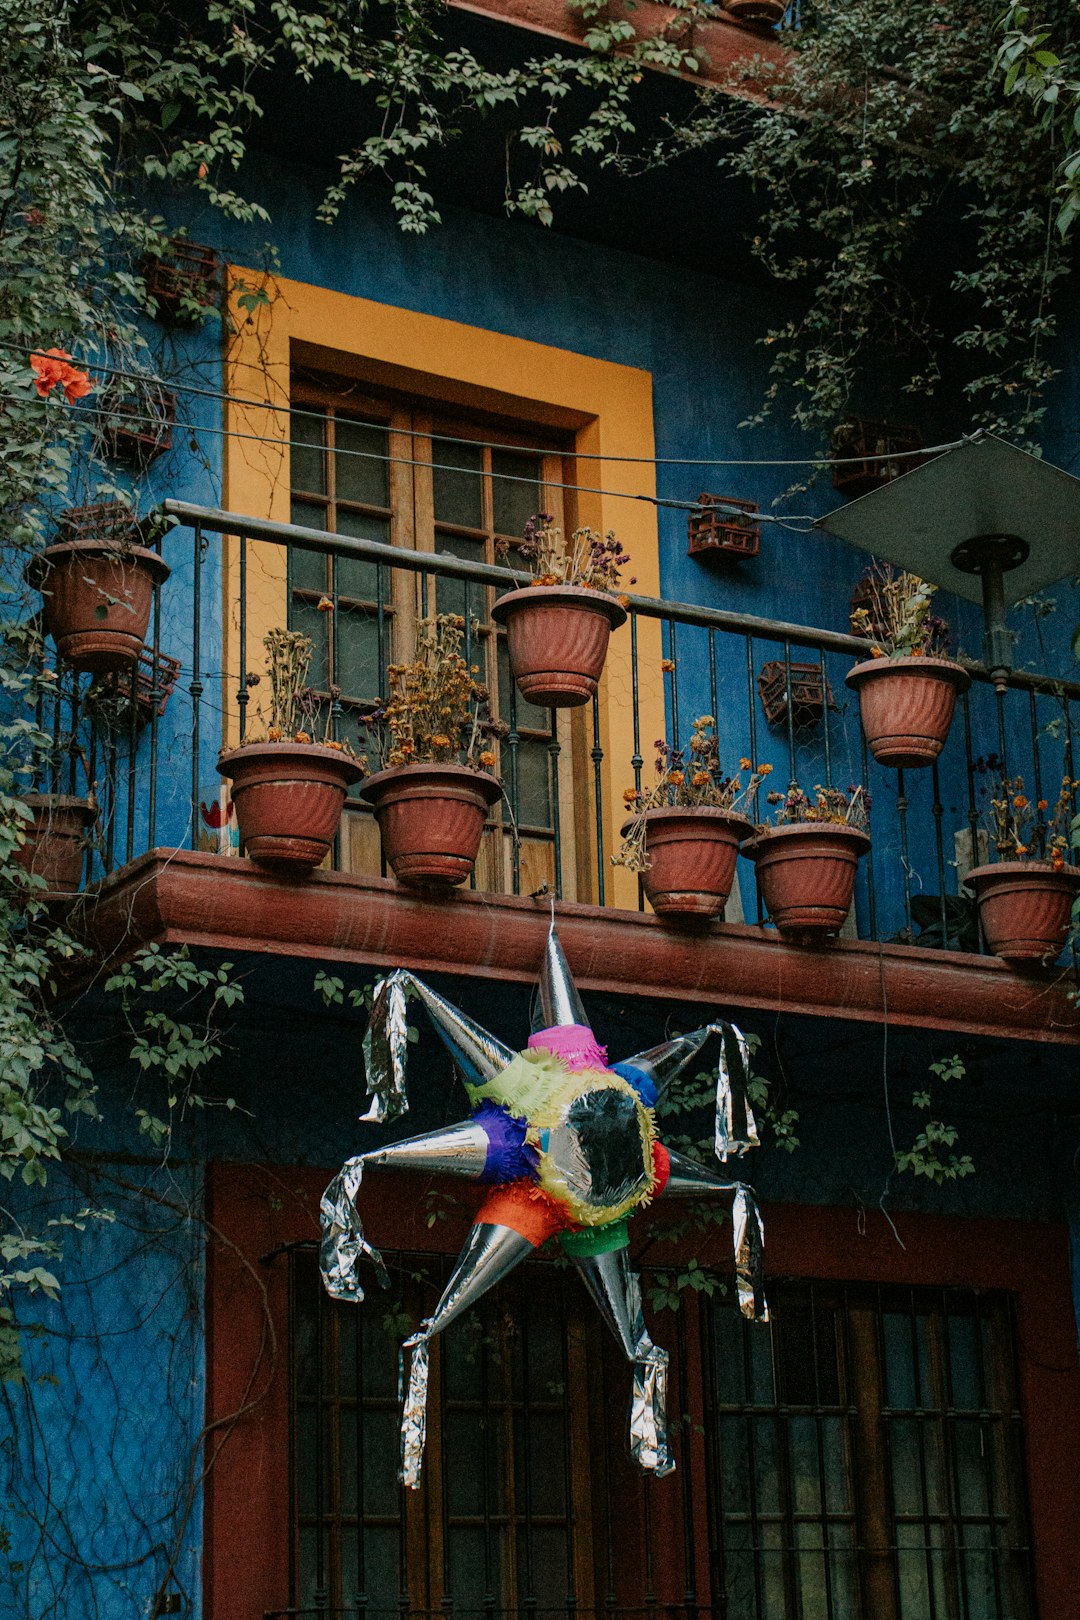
point(96, 600)
point(906, 706)
point(807, 874)
point(1024, 907)
point(288, 799)
point(691, 854)
point(558, 639)
point(56, 840)
point(431, 819)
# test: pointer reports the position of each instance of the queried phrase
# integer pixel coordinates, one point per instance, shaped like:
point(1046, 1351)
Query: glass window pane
point(475, 1568)
point(730, 1381)
point(451, 594)
point(963, 1344)
point(356, 577)
point(734, 1464)
point(458, 495)
point(806, 1483)
point(514, 502)
point(530, 717)
point(533, 784)
point(361, 468)
point(379, 1580)
point(542, 1567)
point(357, 653)
point(308, 569)
point(307, 456)
point(305, 616)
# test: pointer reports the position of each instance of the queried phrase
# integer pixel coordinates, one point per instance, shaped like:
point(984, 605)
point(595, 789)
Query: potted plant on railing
point(288, 786)
point(558, 628)
point(433, 741)
point(97, 586)
point(684, 832)
point(807, 860)
point(1026, 897)
point(908, 687)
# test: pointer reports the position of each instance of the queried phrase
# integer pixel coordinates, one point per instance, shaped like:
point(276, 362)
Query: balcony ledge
point(723, 42)
point(179, 897)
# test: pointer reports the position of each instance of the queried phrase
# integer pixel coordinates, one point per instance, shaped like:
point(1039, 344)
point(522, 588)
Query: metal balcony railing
point(154, 773)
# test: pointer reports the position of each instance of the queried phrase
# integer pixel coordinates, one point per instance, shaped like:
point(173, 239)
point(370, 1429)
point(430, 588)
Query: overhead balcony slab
point(178, 897)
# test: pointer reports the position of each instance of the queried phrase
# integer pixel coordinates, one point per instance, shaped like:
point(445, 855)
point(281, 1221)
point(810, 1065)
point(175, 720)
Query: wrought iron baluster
point(937, 810)
point(901, 813)
point(554, 750)
point(133, 739)
point(871, 887)
point(155, 704)
point(597, 756)
point(196, 685)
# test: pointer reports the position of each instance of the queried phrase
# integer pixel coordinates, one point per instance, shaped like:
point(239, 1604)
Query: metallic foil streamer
point(343, 1241)
point(736, 1127)
point(649, 1445)
point(478, 1055)
point(385, 1042)
point(748, 1239)
point(414, 1411)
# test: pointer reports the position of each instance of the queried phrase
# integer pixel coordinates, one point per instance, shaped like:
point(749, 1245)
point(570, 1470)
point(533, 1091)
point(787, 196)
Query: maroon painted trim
point(254, 1210)
point(181, 897)
point(723, 43)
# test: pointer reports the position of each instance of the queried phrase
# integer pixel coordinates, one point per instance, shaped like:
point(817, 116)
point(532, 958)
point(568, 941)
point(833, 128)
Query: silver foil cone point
point(478, 1055)
point(688, 1179)
point(559, 1003)
point(617, 1292)
point(491, 1253)
point(455, 1150)
point(662, 1063)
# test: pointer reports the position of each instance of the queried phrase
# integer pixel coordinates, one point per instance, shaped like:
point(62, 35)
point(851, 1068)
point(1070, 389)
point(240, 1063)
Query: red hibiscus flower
point(53, 370)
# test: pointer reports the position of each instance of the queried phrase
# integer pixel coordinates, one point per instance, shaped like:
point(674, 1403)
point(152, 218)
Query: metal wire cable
point(494, 444)
point(434, 466)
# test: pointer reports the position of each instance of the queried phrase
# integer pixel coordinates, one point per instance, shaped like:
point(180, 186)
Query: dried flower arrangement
point(437, 713)
point(296, 710)
point(827, 804)
point(1022, 831)
point(690, 778)
point(895, 615)
point(587, 560)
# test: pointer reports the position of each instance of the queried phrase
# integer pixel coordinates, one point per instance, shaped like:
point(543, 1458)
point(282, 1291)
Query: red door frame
point(255, 1212)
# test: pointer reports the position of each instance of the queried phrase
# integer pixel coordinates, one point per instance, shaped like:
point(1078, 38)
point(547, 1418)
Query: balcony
point(156, 869)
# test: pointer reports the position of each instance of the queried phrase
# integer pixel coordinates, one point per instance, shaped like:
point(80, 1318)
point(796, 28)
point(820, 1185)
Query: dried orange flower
point(700, 779)
point(487, 758)
point(1042, 804)
point(338, 747)
point(676, 778)
point(667, 665)
point(325, 605)
point(1021, 849)
point(876, 652)
point(303, 737)
point(630, 796)
point(746, 764)
point(274, 734)
point(440, 740)
point(764, 770)
point(1020, 802)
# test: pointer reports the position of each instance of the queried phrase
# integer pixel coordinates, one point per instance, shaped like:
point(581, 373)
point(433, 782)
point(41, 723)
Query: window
point(398, 473)
point(501, 1524)
point(866, 1458)
point(863, 1458)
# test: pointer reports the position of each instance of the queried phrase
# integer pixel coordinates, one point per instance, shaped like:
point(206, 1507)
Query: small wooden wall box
point(155, 678)
point(137, 423)
point(189, 274)
point(806, 701)
point(716, 530)
point(858, 440)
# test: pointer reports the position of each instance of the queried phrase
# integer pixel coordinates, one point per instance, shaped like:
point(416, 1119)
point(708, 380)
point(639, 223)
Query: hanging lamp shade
point(987, 521)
